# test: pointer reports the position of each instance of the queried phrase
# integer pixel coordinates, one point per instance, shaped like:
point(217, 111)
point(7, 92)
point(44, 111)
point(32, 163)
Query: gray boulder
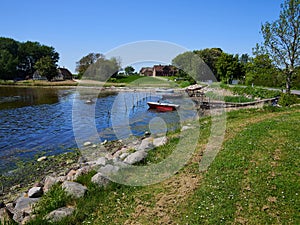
point(100, 180)
point(160, 141)
point(108, 170)
point(59, 214)
point(102, 161)
point(74, 189)
point(136, 157)
point(35, 192)
point(24, 204)
point(49, 182)
point(23, 208)
point(145, 145)
point(83, 170)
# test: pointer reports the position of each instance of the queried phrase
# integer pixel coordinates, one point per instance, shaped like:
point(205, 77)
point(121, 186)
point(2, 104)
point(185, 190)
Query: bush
point(288, 99)
point(185, 84)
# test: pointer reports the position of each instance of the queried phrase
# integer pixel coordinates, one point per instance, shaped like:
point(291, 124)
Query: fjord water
point(36, 121)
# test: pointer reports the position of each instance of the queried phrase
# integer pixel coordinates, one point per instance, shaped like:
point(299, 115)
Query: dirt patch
point(176, 191)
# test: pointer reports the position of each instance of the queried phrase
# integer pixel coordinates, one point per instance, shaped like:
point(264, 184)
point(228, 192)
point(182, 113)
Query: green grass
point(152, 82)
point(124, 79)
point(254, 179)
point(254, 92)
point(214, 96)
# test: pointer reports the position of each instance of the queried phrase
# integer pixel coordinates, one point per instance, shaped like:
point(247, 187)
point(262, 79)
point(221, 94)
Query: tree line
point(19, 60)
point(275, 62)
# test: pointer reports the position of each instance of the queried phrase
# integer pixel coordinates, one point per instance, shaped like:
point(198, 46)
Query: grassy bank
point(39, 83)
point(253, 180)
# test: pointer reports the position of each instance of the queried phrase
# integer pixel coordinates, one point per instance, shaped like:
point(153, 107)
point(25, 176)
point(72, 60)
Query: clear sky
point(76, 28)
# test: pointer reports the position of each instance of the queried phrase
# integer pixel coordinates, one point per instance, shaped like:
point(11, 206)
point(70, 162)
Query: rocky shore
point(105, 159)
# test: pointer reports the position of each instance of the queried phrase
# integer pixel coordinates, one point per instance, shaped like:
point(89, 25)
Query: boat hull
point(162, 107)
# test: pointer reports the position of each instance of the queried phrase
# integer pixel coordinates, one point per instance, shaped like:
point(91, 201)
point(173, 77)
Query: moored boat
point(163, 107)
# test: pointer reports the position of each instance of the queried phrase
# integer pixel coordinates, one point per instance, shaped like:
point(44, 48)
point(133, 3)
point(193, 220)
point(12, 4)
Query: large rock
point(102, 161)
point(83, 170)
point(25, 204)
point(145, 145)
point(23, 208)
point(160, 141)
point(71, 174)
point(74, 189)
point(136, 157)
point(59, 214)
point(108, 170)
point(100, 180)
point(35, 192)
point(49, 182)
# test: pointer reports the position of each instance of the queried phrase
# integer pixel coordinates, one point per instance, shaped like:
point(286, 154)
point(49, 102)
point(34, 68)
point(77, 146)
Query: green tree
point(47, 67)
point(260, 70)
point(282, 39)
point(102, 69)
point(210, 56)
point(229, 68)
point(83, 64)
point(31, 52)
point(8, 58)
point(192, 67)
point(129, 70)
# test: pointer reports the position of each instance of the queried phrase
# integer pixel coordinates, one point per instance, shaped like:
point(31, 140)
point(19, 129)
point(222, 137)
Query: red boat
point(163, 107)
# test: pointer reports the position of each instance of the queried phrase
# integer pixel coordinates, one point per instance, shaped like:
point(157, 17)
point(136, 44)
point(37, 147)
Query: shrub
point(288, 99)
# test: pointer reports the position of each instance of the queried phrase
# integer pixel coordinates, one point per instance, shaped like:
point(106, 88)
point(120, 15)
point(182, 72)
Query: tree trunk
point(288, 82)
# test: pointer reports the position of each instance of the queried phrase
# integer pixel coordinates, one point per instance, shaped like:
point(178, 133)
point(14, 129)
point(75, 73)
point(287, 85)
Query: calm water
point(43, 120)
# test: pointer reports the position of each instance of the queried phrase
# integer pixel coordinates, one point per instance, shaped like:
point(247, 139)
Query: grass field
point(253, 180)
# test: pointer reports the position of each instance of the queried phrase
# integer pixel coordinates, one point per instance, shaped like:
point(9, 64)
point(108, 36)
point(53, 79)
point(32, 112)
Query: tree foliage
point(210, 56)
point(83, 64)
point(229, 68)
point(261, 71)
point(46, 67)
point(129, 70)
point(102, 69)
point(17, 59)
point(282, 39)
point(193, 67)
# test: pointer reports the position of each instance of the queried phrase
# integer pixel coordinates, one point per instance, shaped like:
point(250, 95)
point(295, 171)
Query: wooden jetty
point(205, 103)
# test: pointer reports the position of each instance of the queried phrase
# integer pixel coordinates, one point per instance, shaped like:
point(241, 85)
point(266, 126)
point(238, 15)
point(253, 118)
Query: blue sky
point(76, 28)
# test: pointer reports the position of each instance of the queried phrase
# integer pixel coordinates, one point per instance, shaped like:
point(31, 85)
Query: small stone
point(87, 143)
point(100, 180)
point(74, 189)
point(147, 133)
point(44, 158)
point(35, 192)
point(59, 214)
point(124, 155)
point(265, 207)
point(185, 128)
